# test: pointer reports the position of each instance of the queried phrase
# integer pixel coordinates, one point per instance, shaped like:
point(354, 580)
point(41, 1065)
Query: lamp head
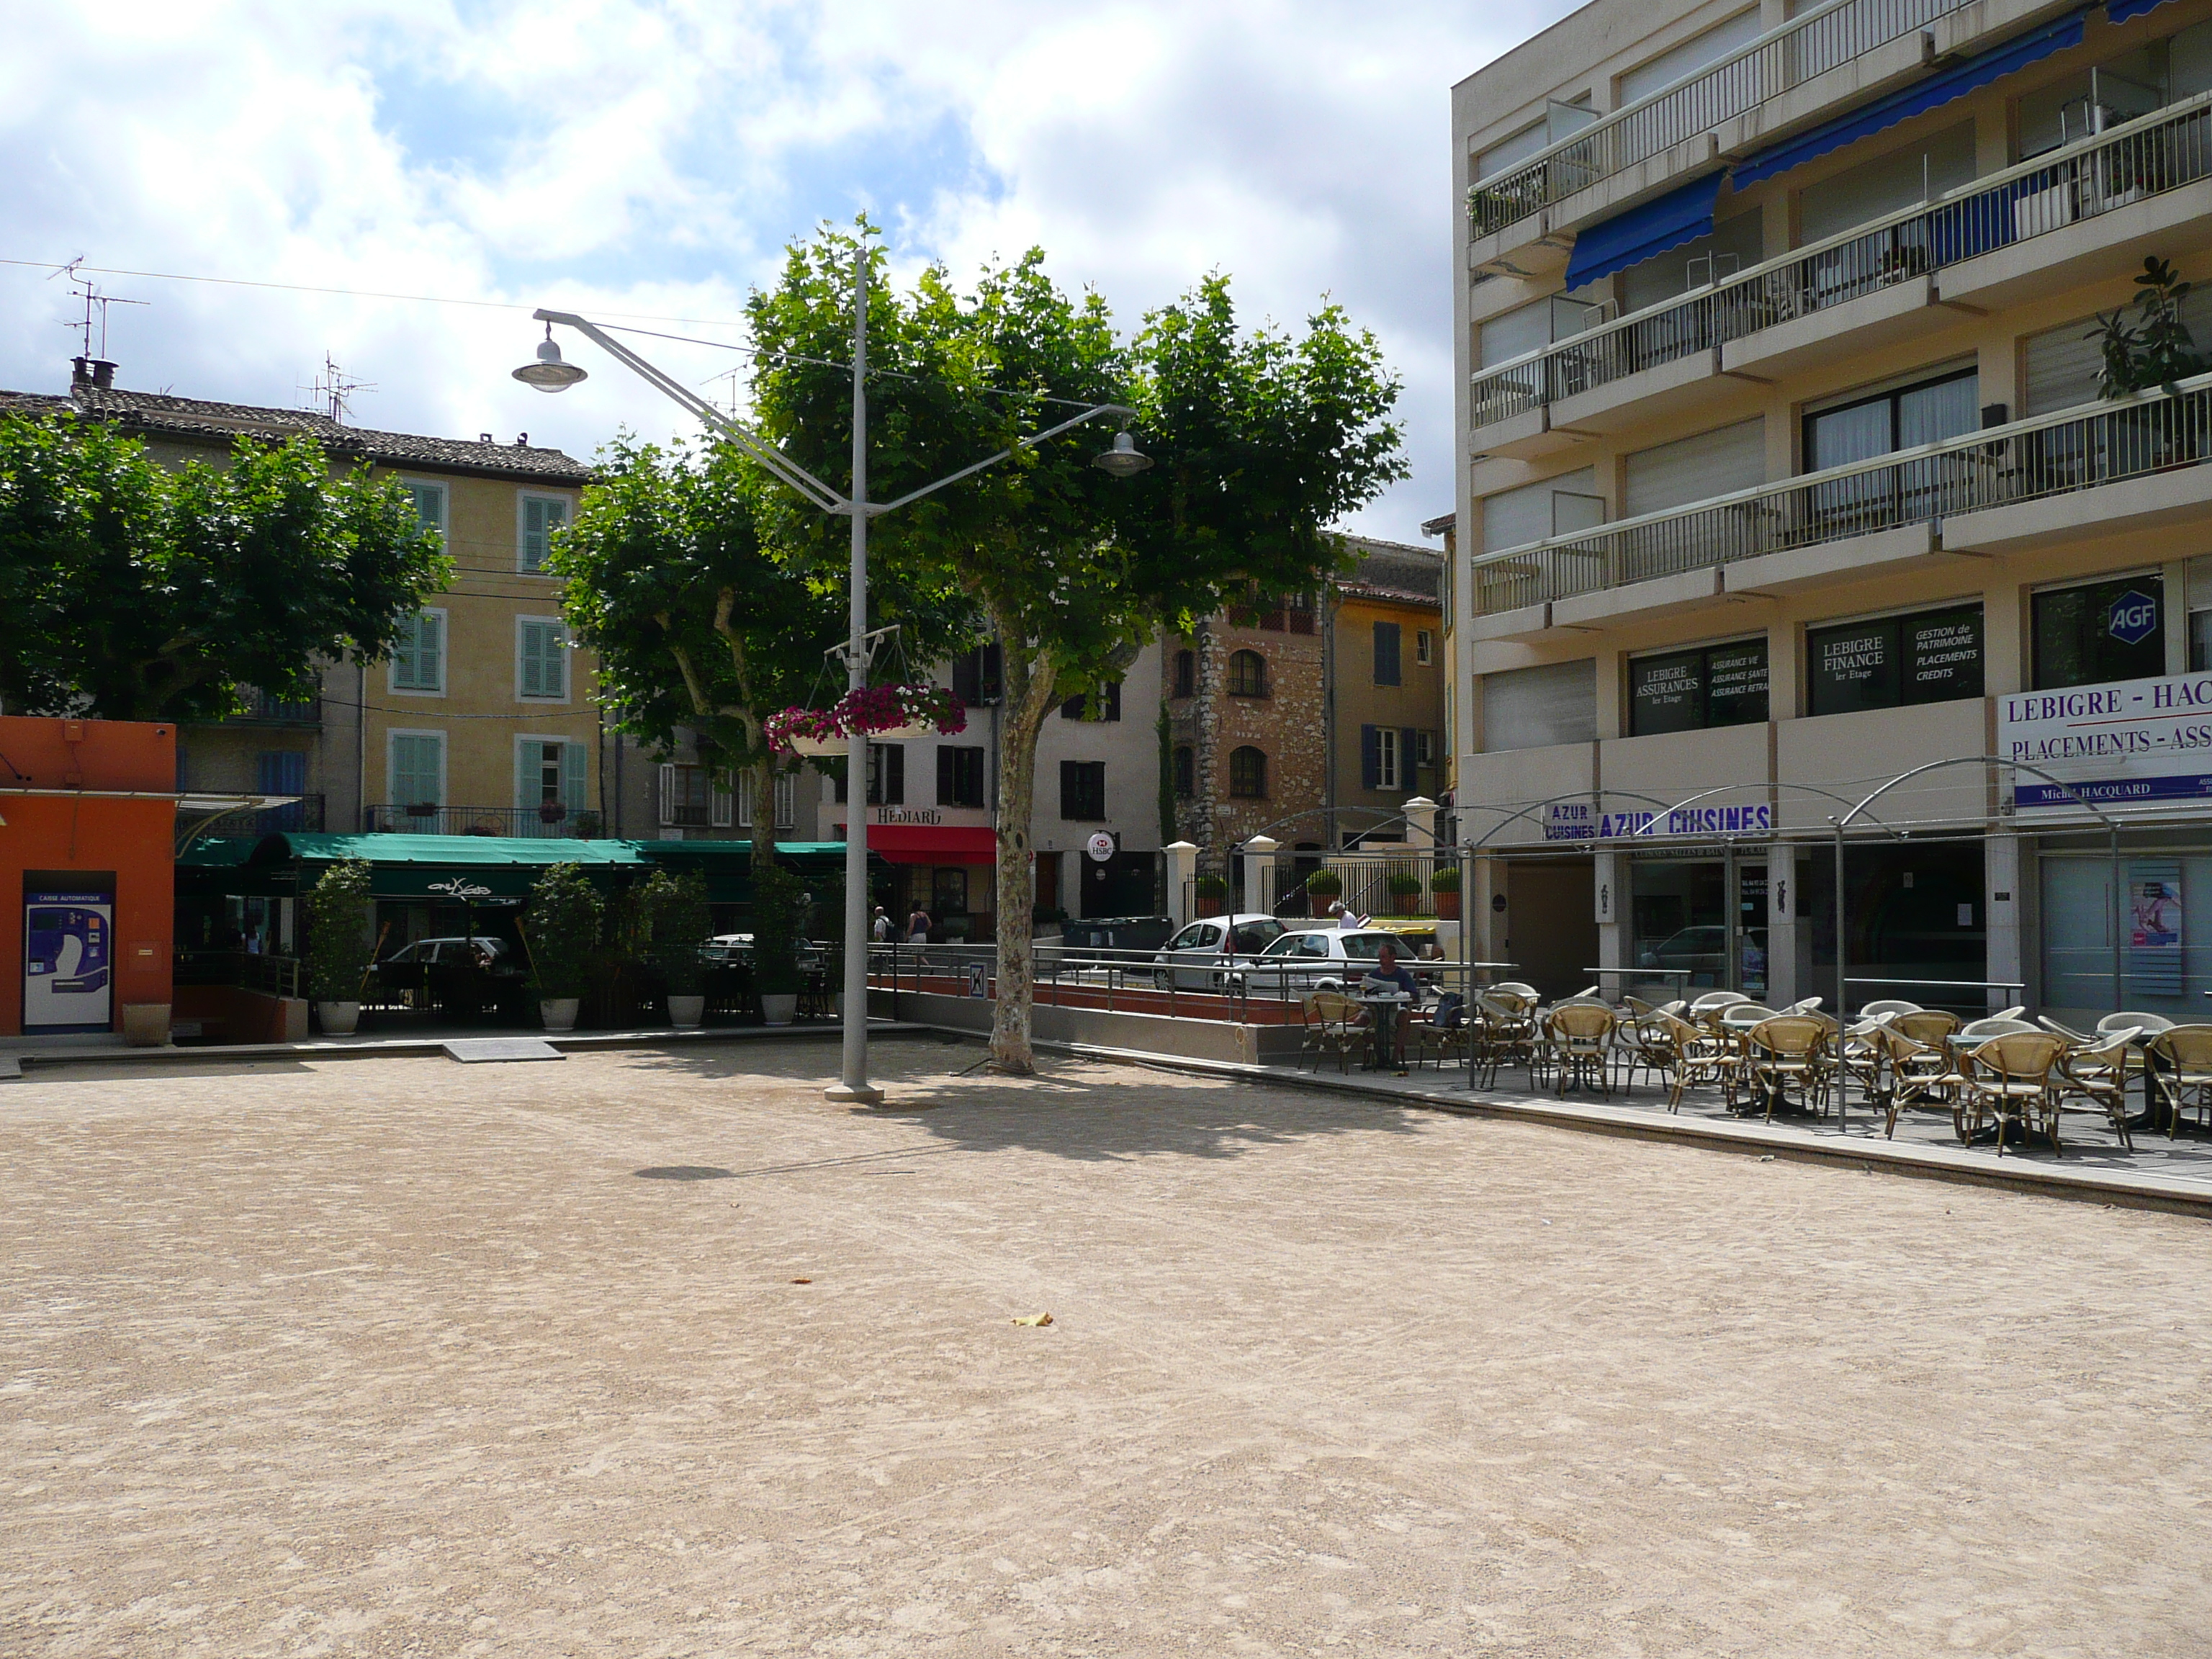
point(548, 373)
point(1124, 460)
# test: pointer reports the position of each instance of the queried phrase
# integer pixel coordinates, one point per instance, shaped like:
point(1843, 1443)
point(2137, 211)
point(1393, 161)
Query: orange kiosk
point(88, 819)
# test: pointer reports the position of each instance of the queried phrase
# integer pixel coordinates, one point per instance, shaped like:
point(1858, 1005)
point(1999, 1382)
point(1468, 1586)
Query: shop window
point(1186, 771)
point(1388, 671)
point(1247, 674)
point(1892, 662)
point(959, 775)
point(1079, 706)
point(948, 890)
point(1186, 674)
point(1248, 773)
point(1692, 690)
point(1535, 707)
point(1083, 791)
point(2113, 630)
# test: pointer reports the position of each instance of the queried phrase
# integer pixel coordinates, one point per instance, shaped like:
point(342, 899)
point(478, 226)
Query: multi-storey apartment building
point(1784, 471)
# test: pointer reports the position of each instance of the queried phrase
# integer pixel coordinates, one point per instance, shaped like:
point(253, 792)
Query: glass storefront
point(2166, 954)
point(1916, 916)
point(1680, 924)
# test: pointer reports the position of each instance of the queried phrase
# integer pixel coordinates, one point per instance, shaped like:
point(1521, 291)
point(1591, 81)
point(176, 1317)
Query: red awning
point(932, 844)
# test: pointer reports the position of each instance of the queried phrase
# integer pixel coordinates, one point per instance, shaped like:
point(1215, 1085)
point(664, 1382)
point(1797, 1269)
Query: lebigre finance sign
point(2132, 743)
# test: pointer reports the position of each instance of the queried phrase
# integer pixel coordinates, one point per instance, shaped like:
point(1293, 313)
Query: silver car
point(1325, 959)
point(1202, 955)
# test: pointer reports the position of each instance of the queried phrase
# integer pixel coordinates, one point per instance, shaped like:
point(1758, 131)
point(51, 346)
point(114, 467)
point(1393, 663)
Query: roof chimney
point(103, 374)
point(80, 372)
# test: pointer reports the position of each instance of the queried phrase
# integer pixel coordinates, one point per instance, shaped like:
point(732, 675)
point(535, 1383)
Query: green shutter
point(575, 777)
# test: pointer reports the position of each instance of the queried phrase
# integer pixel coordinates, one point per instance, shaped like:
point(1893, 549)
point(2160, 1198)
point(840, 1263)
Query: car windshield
point(1284, 945)
point(1365, 947)
point(1258, 935)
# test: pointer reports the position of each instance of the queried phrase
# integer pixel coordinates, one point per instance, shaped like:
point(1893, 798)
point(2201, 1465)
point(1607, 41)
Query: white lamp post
point(548, 373)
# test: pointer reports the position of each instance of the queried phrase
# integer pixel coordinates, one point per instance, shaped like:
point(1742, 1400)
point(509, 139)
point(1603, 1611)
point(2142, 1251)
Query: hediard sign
point(1581, 821)
point(2130, 742)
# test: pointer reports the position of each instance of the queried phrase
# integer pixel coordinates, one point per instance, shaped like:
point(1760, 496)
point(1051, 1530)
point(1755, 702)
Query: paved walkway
point(655, 1353)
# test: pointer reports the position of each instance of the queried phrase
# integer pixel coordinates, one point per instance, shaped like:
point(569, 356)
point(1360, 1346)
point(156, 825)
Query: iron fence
point(1820, 40)
point(250, 970)
point(2148, 157)
point(1998, 467)
point(527, 821)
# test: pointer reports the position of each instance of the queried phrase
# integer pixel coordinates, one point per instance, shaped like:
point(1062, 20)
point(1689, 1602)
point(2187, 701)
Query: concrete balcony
point(2064, 219)
point(2137, 462)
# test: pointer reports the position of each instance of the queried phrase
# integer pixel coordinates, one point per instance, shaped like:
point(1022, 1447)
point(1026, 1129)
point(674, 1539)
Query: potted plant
point(590, 826)
point(1325, 885)
point(777, 896)
point(1405, 892)
point(551, 811)
point(902, 712)
point(681, 923)
point(814, 732)
point(561, 928)
point(1444, 887)
point(1212, 895)
point(339, 948)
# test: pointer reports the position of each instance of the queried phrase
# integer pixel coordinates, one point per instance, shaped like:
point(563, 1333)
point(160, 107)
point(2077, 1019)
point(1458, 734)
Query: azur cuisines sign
point(2127, 743)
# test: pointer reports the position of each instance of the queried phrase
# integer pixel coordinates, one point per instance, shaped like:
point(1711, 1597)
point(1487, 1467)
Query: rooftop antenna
point(335, 388)
point(94, 309)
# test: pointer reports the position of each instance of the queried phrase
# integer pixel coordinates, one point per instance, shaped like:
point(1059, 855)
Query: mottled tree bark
point(1029, 676)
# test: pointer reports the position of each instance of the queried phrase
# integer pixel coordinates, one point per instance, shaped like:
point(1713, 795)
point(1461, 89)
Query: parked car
point(496, 956)
point(1330, 958)
point(1704, 951)
point(1200, 957)
point(736, 950)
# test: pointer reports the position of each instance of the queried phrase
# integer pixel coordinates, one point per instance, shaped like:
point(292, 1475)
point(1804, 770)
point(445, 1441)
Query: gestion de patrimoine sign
point(2132, 741)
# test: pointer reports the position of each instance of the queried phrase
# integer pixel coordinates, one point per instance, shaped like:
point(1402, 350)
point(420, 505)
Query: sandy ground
point(398, 1357)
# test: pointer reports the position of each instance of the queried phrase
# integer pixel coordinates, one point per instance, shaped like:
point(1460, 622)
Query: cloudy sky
point(651, 159)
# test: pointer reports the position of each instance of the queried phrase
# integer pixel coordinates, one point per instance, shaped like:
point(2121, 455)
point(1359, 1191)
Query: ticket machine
point(69, 960)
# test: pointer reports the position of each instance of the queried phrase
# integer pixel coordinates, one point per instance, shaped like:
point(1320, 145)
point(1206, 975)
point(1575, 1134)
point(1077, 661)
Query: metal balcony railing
point(528, 822)
point(2155, 153)
point(1818, 41)
point(2071, 450)
point(263, 709)
point(301, 817)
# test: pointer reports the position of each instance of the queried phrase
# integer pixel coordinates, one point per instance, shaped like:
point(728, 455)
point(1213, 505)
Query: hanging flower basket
point(893, 713)
point(811, 732)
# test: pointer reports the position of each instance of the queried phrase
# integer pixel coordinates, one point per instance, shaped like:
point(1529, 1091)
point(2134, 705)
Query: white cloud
point(632, 157)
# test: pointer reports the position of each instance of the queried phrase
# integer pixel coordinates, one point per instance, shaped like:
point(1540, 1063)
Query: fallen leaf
point(802, 1281)
point(1034, 1319)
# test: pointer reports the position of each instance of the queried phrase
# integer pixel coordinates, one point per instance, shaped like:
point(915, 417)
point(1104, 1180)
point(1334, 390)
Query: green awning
point(448, 869)
point(728, 865)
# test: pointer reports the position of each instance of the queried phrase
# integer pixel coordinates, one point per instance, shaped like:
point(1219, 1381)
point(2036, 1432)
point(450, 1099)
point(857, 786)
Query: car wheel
point(1163, 979)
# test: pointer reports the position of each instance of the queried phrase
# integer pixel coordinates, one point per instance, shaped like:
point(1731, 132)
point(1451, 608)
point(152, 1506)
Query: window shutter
point(1070, 789)
point(787, 801)
point(1532, 708)
point(894, 775)
point(1690, 469)
point(948, 788)
point(1386, 653)
point(533, 661)
point(967, 677)
point(1407, 736)
point(406, 655)
point(667, 794)
point(1113, 700)
point(1370, 757)
point(719, 802)
point(576, 776)
point(414, 769)
point(1513, 517)
point(533, 532)
point(429, 652)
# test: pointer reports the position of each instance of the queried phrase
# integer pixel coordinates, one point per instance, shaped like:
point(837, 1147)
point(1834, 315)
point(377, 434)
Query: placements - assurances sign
point(2129, 742)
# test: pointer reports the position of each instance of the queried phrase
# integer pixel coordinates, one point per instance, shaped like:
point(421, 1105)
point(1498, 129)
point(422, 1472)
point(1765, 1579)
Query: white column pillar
point(1486, 884)
point(2000, 897)
point(1183, 869)
point(1259, 875)
point(1609, 903)
point(1782, 904)
point(1421, 822)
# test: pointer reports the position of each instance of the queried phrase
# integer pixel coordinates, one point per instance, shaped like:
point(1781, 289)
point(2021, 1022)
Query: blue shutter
point(1370, 757)
point(1407, 738)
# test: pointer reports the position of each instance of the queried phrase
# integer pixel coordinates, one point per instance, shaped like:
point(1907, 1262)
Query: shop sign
point(1570, 820)
point(2130, 742)
point(908, 815)
point(1756, 819)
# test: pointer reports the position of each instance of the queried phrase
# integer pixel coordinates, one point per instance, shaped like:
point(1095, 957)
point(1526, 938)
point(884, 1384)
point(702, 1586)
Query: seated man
point(1387, 975)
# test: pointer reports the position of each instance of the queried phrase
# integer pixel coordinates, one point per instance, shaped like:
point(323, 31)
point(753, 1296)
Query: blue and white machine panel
point(69, 961)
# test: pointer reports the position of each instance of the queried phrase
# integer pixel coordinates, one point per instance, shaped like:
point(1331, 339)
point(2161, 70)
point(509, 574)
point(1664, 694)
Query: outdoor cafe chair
point(2146, 1025)
point(1997, 1025)
point(2066, 1031)
point(2179, 1058)
point(1784, 1050)
point(1920, 1074)
point(1926, 1024)
point(1713, 1000)
point(2006, 1079)
point(1507, 1034)
point(1516, 987)
point(1882, 1007)
point(1697, 1057)
point(1332, 1028)
point(2097, 1074)
point(1646, 1041)
point(1580, 1038)
point(2013, 1012)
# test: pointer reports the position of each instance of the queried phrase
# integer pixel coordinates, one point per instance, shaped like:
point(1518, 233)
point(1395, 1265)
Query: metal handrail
point(1808, 45)
point(2065, 451)
point(2148, 157)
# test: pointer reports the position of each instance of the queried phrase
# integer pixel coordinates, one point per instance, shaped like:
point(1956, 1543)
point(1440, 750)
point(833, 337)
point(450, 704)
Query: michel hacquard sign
point(1580, 820)
point(2129, 743)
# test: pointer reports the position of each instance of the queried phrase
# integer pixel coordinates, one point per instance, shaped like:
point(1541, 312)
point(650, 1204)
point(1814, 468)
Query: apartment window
point(959, 775)
point(1186, 674)
point(2200, 615)
point(1387, 669)
point(1557, 507)
point(1423, 646)
point(551, 772)
point(1247, 674)
point(886, 775)
point(1083, 791)
point(1731, 245)
point(1894, 662)
point(430, 504)
point(1424, 748)
point(1079, 706)
point(2113, 630)
point(1248, 773)
point(541, 516)
point(787, 801)
point(416, 769)
point(1385, 752)
point(689, 799)
point(979, 676)
point(1185, 765)
point(1534, 707)
point(418, 658)
point(1529, 328)
point(1869, 424)
point(541, 653)
point(2102, 96)
point(2059, 366)
point(1692, 690)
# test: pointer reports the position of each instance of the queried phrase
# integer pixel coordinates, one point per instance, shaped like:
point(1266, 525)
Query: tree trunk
point(762, 772)
point(1029, 682)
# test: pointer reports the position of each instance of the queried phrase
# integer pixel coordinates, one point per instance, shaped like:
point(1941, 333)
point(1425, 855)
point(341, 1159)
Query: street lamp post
point(549, 373)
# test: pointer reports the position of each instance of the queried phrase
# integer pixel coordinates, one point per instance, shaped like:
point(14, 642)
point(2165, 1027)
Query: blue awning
point(1644, 232)
point(2122, 11)
point(1917, 98)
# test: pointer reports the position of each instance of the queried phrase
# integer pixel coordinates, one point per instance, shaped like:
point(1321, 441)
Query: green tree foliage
point(135, 592)
point(339, 944)
point(2157, 350)
point(561, 928)
point(682, 922)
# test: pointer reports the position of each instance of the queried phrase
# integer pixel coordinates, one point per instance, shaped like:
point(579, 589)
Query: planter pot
point(685, 1012)
point(820, 748)
point(146, 1025)
point(338, 1018)
point(1406, 905)
point(903, 733)
point(1448, 907)
point(559, 1013)
point(779, 1008)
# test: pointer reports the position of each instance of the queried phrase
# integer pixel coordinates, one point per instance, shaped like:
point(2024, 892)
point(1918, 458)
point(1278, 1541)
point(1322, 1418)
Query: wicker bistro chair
point(1701, 1058)
point(1580, 1038)
point(1861, 1056)
point(1649, 1043)
point(1883, 1008)
point(1920, 1074)
point(1506, 1034)
point(1785, 1050)
point(1995, 1026)
point(2006, 1078)
point(1331, 1028)
point(2095, 1073)
point(2180, 1061)
point(1929, 1025)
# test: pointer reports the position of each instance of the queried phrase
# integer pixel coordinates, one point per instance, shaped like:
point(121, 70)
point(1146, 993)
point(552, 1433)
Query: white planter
point(902, 734)
point(778, 1009)
point(559, 1013)
point(338, 1018)
point(820, 748)
point(684, 1013)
